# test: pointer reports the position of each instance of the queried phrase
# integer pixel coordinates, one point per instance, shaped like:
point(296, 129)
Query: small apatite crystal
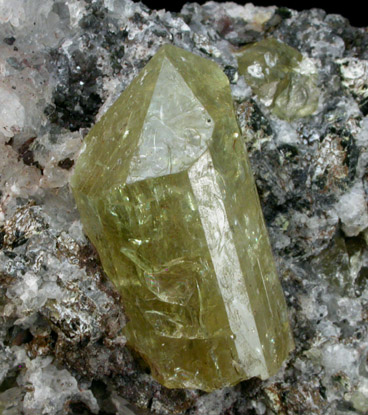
point(166, 195)
point(281, 78)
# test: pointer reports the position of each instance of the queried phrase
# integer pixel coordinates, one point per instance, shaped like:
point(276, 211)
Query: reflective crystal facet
point(166, 195)
point(281, 78)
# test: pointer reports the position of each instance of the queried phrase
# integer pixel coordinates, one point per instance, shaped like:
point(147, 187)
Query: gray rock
point(62, 65)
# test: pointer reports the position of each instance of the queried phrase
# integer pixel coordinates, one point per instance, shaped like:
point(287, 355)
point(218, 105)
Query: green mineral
point(281, 78)
point(166, 195)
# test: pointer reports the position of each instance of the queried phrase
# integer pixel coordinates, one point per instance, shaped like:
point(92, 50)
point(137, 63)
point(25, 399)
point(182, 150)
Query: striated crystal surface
point(166, 195)
point(281, 78)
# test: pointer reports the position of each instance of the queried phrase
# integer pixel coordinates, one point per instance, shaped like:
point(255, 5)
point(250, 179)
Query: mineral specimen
point(280, 77)
point(166, 195)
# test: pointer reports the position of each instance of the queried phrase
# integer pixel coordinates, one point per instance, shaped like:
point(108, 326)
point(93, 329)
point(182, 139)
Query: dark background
point(353, 10)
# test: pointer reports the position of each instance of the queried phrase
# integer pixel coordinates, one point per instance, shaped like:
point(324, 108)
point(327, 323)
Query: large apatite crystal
point(166, 195)
point(281, 78)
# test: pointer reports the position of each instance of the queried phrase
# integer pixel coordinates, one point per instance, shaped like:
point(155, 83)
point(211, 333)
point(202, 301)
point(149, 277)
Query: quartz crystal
point(281, 78)
point(166, 195)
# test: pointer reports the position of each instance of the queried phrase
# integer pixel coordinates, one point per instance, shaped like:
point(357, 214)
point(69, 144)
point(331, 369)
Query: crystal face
point(281, 78)
point(166, 195)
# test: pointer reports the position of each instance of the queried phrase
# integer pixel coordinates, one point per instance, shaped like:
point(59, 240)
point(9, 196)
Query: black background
point(355, 11)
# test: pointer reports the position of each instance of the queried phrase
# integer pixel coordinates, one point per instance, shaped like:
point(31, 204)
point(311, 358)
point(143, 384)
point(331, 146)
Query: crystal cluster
point(166, 195)
point(281, 78)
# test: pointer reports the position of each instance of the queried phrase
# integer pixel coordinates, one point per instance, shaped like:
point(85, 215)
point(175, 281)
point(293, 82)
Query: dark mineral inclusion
point(166, 195)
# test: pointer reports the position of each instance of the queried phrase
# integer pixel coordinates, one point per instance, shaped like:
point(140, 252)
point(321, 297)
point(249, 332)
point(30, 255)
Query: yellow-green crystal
point(166, 195)
point(281, 78)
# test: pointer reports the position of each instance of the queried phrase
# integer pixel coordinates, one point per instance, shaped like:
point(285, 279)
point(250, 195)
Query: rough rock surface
point(62, 64)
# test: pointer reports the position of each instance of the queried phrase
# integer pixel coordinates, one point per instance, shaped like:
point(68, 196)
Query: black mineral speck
point(2, 235)
point(27, 157)
point(364, 106)
point(283, 12)
point(79, 408)
point(231, 73)
point(10, 254)
point(26, 154)
point(259, 122)
point(66, 164)
point(19, 240)
point(289, 151)
point(75, 99)
point(352, 154)
point(138, 18)
point(94, 19)
point(17, 336)
point(9, 40)
point(89, 22)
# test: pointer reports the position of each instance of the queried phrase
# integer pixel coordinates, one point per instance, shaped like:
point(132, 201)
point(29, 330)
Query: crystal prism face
point(281, 78)
point(166, 195)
